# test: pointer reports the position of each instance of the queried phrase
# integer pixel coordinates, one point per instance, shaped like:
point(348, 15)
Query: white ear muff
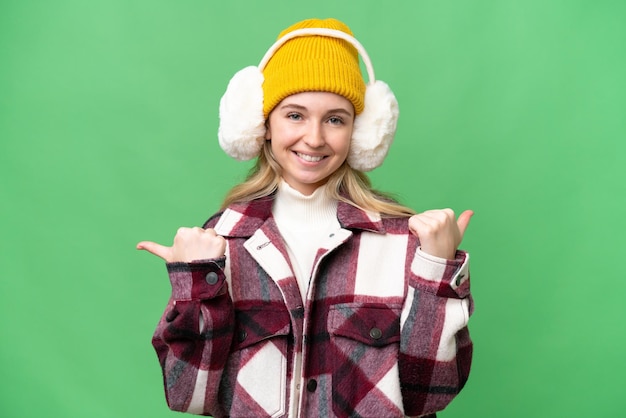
point(242, 126)
point(374, 129)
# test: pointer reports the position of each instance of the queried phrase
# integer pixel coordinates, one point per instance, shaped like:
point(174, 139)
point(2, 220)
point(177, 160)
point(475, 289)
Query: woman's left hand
point(439, 232)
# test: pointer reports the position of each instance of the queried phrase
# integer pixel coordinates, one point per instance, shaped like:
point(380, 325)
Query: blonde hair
point(345, 184)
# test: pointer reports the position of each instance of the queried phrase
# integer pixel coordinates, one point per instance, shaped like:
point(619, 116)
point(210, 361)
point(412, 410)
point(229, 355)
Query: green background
point(108, 120)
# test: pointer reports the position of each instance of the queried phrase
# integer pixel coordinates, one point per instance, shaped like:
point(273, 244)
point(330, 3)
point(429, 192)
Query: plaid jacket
point(383, 331)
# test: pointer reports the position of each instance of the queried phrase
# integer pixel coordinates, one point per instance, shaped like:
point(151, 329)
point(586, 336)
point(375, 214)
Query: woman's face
point(310, 137)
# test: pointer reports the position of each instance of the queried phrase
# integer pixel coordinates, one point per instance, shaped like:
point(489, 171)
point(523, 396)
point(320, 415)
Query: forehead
point(317, 100)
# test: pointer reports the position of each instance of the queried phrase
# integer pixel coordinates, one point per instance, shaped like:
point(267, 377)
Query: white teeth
point(309, 158)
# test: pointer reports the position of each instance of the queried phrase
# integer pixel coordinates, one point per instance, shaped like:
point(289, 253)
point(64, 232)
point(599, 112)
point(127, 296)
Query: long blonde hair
point(345, 184)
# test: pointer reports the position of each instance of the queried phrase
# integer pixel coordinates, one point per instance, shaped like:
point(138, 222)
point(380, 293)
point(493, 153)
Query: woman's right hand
point(190, 244)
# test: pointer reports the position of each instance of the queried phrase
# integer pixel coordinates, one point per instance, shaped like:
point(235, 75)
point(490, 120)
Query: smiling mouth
point(310, 158)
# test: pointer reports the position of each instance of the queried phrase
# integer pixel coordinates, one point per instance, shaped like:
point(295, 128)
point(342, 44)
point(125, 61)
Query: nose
point(315, 136)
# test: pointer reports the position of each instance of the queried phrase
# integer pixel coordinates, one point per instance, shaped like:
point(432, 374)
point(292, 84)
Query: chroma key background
point(108, 121)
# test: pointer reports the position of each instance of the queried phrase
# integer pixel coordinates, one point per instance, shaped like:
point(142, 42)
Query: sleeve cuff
point(201, 279)
point(447, 278)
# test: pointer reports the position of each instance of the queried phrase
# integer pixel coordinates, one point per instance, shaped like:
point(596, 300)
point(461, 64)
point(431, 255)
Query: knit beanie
point(314, 63)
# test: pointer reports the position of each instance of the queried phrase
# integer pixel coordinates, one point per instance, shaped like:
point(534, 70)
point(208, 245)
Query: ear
point(268, 132)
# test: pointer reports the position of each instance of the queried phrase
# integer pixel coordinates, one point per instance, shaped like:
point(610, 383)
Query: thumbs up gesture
point(439, 232)
point(190, 244)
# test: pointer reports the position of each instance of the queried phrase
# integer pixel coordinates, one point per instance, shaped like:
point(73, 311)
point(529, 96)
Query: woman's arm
point(435, 347)
point(193, 337)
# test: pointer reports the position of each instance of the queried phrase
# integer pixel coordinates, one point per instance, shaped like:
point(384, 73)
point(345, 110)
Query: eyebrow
point(304, 108)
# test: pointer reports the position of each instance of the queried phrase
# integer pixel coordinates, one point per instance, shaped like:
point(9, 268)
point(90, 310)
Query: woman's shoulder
point(241, 218)
point(213, 220)
point(396, 224)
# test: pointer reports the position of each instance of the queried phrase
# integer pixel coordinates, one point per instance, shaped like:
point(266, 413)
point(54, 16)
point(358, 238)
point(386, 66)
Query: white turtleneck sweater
point(304, 222)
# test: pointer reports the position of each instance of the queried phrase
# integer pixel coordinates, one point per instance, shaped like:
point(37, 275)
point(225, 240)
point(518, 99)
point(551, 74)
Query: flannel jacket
point(382, 332)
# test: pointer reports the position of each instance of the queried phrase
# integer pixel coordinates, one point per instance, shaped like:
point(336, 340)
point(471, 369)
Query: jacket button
point(311, 385)
point(211, 277)
point(171, 315)
point(458, 279)
point(376, 333)
point(242, 335)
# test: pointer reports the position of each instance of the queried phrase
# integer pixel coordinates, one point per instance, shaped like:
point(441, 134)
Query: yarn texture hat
point(312, 55)
point(314, 63)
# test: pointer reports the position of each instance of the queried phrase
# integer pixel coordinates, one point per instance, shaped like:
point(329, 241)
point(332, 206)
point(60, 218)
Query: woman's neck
point(302, 211)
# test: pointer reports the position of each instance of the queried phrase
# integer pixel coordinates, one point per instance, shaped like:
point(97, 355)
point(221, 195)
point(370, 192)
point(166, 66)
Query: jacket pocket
point(258, 362)
point(365, 341)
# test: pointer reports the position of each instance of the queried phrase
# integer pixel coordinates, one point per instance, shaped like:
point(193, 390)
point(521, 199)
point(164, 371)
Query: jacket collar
point(243, 219)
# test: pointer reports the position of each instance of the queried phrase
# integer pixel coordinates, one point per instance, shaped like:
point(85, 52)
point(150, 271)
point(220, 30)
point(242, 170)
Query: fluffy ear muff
point(241, 131)
point(374, 128)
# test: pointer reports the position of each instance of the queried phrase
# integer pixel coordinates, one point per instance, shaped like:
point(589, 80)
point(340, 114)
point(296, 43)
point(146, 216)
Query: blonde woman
point(310, 294)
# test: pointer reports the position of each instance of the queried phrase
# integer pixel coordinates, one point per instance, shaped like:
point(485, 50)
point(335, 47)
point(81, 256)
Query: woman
point(310, 294)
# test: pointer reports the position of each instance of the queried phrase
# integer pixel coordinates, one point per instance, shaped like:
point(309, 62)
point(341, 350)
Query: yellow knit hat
point(314, 63)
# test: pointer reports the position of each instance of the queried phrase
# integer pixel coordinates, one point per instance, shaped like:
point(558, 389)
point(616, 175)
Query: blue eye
point(334, 120)
point(294, 116)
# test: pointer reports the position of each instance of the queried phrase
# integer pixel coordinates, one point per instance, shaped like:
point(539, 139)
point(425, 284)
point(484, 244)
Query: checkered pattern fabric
point(382, 332)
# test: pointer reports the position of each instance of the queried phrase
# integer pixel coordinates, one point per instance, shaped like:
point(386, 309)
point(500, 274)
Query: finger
point(156, 249)
point(221, 244)
point(210, 231)
point(429, 220)
point(415, 223)
point(422, 226)
point(464, 220)
point(439, 215)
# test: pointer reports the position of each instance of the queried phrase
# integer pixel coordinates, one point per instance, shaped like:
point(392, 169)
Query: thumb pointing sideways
point(157, 249)
point(464, 220)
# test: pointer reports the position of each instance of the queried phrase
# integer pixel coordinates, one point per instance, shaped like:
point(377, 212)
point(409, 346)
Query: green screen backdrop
point(108, 121)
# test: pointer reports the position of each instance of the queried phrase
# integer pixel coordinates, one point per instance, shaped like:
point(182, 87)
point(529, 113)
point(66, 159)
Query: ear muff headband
point(242, 124)
point(331, 33)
